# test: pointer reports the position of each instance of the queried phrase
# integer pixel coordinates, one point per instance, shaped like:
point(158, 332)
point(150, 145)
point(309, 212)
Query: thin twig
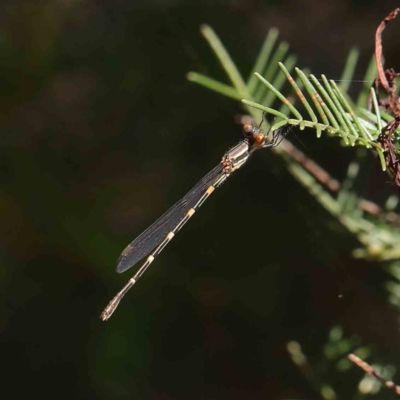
point(369, 370)
point(378, 47)
point(321, 175)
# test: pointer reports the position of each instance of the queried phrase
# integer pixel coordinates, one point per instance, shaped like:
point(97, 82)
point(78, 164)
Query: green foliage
point(330, 110)
point(326, 107)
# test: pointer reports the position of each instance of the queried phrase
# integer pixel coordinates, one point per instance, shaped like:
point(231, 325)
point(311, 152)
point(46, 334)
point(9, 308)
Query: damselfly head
point(256, 135)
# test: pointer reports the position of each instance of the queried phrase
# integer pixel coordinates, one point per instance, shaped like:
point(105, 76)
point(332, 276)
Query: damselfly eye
point(248, 130)
point(260, 138)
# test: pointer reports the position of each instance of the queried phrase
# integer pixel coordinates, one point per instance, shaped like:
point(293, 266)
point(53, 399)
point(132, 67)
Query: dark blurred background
point(100, 134)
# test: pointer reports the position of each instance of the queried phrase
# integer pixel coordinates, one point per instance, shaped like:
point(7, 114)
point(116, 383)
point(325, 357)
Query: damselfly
point(158, 235)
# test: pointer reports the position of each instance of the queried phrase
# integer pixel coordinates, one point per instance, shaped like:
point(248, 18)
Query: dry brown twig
point(322, 176)
point(387, 78)
point(369, 370)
